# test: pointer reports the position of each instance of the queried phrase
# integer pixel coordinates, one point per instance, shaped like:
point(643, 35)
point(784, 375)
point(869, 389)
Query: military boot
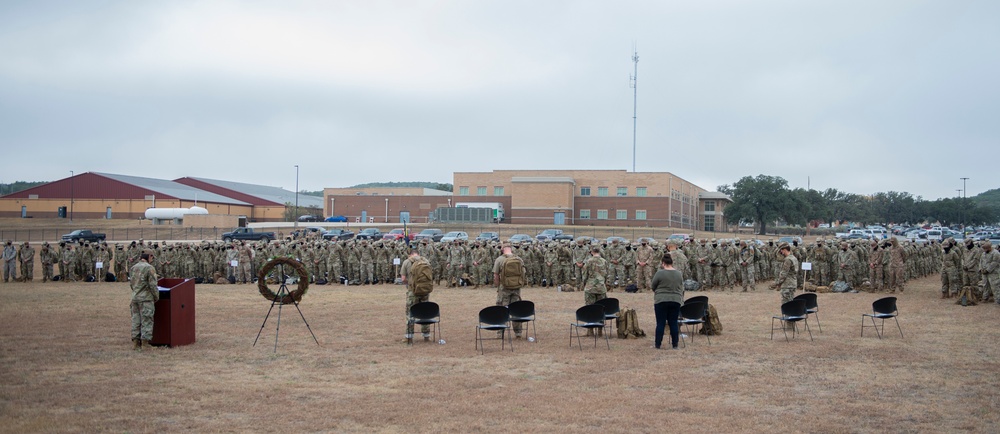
point(145, 343)
point(136, 345)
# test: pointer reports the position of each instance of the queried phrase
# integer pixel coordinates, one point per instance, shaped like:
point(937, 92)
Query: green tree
point(761, 200)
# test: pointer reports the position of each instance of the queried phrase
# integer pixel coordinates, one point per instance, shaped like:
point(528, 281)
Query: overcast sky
point(862, 96)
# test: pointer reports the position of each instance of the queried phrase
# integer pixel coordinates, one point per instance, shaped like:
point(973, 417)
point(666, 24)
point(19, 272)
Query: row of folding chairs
point(801, 307)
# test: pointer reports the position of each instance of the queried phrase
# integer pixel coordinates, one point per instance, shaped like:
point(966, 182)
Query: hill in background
point(989, 199)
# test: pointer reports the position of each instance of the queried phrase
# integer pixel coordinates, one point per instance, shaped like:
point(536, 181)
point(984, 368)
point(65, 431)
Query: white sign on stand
point(99, 265)
point(234, 262)
point(807, 266)
point(395, 261)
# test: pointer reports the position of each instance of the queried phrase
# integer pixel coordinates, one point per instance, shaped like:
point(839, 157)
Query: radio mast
point(633, 83)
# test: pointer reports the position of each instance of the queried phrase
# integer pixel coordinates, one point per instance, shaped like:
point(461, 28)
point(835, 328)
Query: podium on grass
point(174, 321)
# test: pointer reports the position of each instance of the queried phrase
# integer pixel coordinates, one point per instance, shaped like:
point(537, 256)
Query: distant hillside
point(19, 186)
point(989, 199)
point(433, 185)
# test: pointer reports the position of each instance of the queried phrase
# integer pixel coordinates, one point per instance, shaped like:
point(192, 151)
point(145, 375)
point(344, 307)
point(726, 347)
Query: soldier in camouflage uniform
point(645, 266)
point(481, 261)
point(680, 259)
point(411, 298)
point(594, 277)
point(847, 264)
point(506, 296)
point(970, 263)
point(26, 256)
point(989, 267)
point(747, 267)
point(142, 280)
point(785, 282)
point(897, 262)
point(615, 256)
point(550, 262)
point(951, 263)
point(48, 259)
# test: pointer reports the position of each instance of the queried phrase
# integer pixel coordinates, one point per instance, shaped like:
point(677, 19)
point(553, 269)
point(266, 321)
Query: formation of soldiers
point(878, 265)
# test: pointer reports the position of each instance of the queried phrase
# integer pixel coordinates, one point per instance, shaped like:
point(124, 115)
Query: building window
point(584, 214)
point(602, 214)
point(622, 191)
point(602, 191)
point(584, 191)
point(498, 191)
point(710, 206)
point(710, 223)
point(480, 191)
point(640, 214)
point(640, 191)
point(621, 214)
point(463, 191)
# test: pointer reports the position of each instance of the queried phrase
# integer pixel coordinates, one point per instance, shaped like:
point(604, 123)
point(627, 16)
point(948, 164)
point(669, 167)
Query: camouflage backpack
point(712, 325)
point(422, 277)
point(512, 273)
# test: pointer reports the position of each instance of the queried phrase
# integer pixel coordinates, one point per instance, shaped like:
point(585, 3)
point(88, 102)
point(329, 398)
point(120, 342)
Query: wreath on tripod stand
point(292, 296)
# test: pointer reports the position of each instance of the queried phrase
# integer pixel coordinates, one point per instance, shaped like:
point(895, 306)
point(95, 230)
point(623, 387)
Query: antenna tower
point(633, 83)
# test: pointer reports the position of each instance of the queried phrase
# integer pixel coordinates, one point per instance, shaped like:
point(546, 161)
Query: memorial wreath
point(292, 296)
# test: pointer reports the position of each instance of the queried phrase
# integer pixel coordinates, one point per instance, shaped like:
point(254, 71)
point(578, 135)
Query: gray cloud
point(860, 96)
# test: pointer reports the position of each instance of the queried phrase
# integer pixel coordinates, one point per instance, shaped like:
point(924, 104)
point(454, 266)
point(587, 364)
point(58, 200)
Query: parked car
point(307, 231)
point(488, 236)
point(520, 238)
point(308, 218)
point(548, 234)
point(83, 235)
point(789, 240)
point(369, 234)
point(621, 240)
point(680, 237)
point(455, 236)
point(336, 219)
point(247, 234)
point(563, 236)
point(338, 234)
point(429, 234)
point(396, 234)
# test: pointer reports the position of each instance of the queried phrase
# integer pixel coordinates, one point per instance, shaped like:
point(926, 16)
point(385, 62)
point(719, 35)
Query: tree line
point(764, 200)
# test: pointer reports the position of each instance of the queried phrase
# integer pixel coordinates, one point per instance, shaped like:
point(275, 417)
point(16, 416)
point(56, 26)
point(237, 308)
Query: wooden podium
point(174, 319)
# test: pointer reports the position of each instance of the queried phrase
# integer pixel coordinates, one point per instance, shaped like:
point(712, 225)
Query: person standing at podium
point(142, 279)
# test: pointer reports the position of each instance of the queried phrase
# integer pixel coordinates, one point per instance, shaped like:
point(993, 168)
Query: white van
point(934, 235)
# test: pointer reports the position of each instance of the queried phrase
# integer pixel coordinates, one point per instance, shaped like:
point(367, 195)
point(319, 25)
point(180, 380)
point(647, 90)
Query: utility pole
point(634, 82)
point(963, 186)
point(71, 195)
point(296, 215)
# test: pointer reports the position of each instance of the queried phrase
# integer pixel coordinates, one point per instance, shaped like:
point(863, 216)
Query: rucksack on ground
point(512, 273)
point(712, 325)
point(422, 277)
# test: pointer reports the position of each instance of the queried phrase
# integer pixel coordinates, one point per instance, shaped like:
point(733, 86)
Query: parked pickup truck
point(369, 234)
point(83, 235)
point(247, 234)
point(338, 234)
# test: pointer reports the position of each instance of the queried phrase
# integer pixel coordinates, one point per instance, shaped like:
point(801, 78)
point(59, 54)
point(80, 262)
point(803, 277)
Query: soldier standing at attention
point(989, 267)
point(27, 257)
point(9, 262)
point(644, 265)
point(508, 281)
point(142, 279)
point(786, 281)
point(595, 271)
point(48, 258)
point(747, 269)
point(897, 264)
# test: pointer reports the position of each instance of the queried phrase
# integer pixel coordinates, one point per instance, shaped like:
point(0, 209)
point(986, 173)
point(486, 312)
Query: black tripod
point(282, 292)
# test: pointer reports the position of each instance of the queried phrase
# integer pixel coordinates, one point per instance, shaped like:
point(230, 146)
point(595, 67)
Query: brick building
point(594, 197)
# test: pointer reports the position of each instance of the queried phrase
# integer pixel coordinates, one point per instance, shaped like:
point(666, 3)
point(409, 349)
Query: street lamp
point(296, 216)
point(387, 210)
point(71, 195)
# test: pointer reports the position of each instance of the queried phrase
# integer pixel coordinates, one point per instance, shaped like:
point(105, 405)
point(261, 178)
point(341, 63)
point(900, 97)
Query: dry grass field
point(66, 366)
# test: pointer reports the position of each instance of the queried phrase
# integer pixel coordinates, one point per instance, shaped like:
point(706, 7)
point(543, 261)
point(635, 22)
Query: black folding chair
point(791, 313)
point(881, 309)
point(812, 306)
point(496, 319)
point(522, 312)
point(701, 298)
point(590, 317)
point(693, 313)
point(611, 310)
point(427, 313)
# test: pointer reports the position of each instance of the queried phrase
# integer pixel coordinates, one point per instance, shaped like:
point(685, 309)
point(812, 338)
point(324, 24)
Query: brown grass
point(66, 365)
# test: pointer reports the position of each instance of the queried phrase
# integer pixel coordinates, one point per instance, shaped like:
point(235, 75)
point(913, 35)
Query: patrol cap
point(784, 245)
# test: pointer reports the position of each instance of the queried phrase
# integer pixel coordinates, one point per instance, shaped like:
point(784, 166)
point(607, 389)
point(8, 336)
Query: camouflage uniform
point(951, 263)
point(27, 257)
point(594, 278)
point(897, 262)
point(970, 263)
point(411, 298)
point(48, 259)
point(69, 264)
point(142, 280)
point(9, 262)
point(847, 262)
point(506, 296)
point(550, 259)
point(645, 266)
point(989, 267)
point(747, 268)
point(785, 281)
